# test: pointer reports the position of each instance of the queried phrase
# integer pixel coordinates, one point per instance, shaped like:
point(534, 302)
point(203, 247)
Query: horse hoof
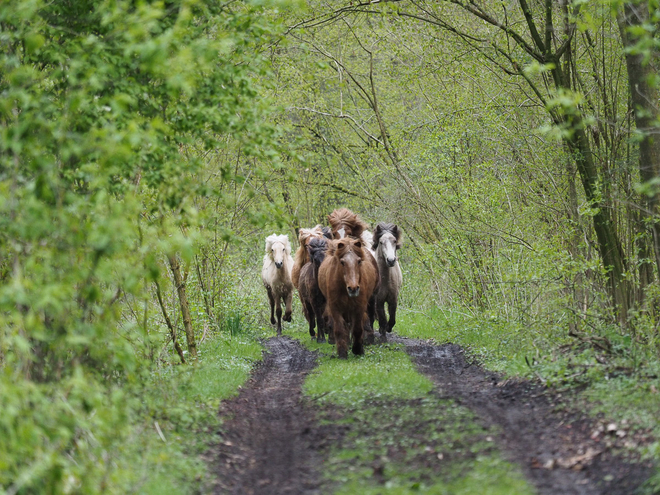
point(358, 350)
point(273, 321)
point(369, 339)
point(389, 329)
point(320, 340)
point(342, 354)
point(331, 341)
point(287, 317)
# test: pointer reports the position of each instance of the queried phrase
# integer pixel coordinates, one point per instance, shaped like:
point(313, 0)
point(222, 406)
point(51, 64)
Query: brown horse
point(345, 223)
point(347, 280)
point(308, 288)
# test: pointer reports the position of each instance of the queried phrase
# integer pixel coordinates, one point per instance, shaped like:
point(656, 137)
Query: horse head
point(277, 248)
point(350, 255)
point(316, 248)
point(387, 240)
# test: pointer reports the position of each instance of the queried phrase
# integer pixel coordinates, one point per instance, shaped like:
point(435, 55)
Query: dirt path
point(553, 445)
point(270, 438)
point(272, 444)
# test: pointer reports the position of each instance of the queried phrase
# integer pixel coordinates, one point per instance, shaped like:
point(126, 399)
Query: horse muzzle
point(353, 292)
point(279, 265)
point(391, 262)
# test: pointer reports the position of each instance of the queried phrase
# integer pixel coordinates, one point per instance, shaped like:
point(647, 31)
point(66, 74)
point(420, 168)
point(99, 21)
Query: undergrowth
point(144, 437)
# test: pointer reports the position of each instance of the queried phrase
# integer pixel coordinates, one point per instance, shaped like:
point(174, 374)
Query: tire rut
point(549, 442)
point(269, 439)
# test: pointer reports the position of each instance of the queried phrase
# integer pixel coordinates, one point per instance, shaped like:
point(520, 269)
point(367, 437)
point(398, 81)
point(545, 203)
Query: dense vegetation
point(148, 148)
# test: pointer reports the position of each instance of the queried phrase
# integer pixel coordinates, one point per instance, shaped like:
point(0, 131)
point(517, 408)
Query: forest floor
point(276, 440)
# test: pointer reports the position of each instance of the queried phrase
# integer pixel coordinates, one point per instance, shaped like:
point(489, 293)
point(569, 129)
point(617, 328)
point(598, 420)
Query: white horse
point(386, 243)
point(276, 276)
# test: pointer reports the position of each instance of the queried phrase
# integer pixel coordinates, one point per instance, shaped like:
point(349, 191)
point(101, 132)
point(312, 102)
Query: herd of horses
point(344, 275)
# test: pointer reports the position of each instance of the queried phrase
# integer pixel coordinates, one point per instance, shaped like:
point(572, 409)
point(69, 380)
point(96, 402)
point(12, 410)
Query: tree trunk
point(644, 98)
point(185, 309)
point(168, 322)
point(609, 245)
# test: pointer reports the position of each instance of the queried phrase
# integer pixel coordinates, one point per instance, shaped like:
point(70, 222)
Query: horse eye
point(360, 262)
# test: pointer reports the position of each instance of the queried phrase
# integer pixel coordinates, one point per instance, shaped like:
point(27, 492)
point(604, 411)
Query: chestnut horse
point(276, 276)
point(308, 288)
point(347, 280)
point(345, 223)
point(386, 243)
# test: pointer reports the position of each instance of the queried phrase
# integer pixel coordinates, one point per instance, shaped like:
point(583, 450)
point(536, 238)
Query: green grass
point(383, 372)
point(185, 409)
point(419, 442)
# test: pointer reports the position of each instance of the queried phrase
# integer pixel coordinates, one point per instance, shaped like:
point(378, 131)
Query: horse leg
point(278, 311)
point(309, 311)
point(329, 329)
point(320, 324)
point(391, 306)
point(271, 299)
point(371, 311)
point(341, 337)
point(382, 319)
point(358, 347)
point(368, 331)
point(287, 302)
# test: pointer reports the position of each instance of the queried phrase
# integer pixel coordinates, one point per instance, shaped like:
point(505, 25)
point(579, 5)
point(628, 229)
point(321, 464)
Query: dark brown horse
point(308, 288)
point(347, 279)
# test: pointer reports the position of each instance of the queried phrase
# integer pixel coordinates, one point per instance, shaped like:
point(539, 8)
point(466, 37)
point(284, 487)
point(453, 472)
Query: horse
point(386, 243)
point(308, 288)
point(276, 276)
point(347, 282)
point(302, 256)
point(344, 223)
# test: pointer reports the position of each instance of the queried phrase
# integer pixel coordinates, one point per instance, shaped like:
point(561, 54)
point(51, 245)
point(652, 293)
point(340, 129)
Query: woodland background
point(148, 148)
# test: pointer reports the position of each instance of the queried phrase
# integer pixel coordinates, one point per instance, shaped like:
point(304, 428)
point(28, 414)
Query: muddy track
point(269, 438)
point(551, 443)
point(272, 444)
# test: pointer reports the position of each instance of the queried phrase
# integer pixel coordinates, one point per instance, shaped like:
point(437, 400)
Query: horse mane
point(384, 227)
point(343, 217)
point(305, 234)
point(327, 233)
point(272, 239)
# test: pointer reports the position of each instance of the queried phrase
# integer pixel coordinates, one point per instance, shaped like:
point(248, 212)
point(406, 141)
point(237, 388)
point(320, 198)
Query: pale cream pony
point(276, 276)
